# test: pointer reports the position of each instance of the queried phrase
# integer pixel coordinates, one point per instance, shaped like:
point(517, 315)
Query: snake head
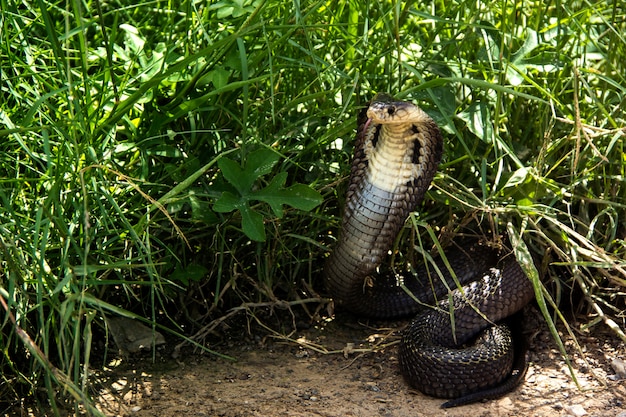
point(384, 109)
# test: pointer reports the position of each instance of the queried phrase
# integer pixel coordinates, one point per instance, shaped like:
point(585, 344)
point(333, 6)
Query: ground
point(348, 368)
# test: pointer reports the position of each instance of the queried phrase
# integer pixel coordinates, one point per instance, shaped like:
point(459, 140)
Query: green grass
point(130, 139)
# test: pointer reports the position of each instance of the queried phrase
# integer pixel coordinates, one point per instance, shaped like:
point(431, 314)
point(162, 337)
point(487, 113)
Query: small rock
point(132, 336)
point(506, 402)
point(372, 386)
point(576, 410)
point(302, 354)
point(619, 366)
point(622, 414)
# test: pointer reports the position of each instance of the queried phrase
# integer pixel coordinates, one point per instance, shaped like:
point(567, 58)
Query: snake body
point(397, 152)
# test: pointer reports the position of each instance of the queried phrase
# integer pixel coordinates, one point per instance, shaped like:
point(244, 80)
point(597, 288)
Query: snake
point(458, 345)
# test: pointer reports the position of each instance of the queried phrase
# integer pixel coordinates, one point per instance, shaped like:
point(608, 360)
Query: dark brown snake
point(458, 352)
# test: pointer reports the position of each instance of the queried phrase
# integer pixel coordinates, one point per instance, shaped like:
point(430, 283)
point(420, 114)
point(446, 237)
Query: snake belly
point(453, 349)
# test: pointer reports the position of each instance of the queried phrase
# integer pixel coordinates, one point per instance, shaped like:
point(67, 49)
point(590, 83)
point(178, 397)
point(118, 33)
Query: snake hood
point(397, 152)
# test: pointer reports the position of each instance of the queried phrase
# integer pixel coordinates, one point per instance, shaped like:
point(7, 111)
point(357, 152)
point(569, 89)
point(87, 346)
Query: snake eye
point(391, 110)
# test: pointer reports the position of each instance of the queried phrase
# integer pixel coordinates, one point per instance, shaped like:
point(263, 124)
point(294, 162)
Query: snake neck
point(397, 153)
point(401, 159)
point(396, 157)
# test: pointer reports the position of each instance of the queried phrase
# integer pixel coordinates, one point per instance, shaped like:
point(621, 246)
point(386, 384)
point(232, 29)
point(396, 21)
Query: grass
point(132, 141)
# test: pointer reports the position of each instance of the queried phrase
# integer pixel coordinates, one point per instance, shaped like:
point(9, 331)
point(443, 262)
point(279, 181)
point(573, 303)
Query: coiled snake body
point(397, 152)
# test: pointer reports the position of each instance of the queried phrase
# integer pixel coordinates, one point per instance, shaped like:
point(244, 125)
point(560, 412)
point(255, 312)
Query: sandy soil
point(347, 368)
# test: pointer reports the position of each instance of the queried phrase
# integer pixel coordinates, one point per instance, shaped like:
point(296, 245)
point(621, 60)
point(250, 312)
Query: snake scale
point(457, 348)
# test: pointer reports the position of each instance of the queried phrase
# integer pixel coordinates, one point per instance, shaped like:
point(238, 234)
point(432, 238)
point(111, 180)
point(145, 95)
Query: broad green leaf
point(298, 196)
point(252, 224)
point(530, 43)
point(191, 272)
point(233, 173)
point(518, 177)
point(134, 41)
point(302, 197)
point(220, 77)
point(273, 189)
point(478, 120)
point(234, 8)
point(524, 202)
point(520, 60)
point(228, 202)
point(258, 163)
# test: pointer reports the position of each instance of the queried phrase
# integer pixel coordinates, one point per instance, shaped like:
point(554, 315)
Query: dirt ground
point(348, 368)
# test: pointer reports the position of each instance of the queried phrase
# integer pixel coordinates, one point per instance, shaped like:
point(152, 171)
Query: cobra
point(456, 348)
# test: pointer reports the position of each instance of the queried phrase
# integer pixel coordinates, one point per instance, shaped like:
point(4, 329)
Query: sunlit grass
point(113, 120)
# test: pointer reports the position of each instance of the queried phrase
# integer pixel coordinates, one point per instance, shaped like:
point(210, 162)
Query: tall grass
point(125, 130)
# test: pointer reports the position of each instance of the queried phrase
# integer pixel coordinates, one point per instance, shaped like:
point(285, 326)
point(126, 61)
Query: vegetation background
point(168, 162)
